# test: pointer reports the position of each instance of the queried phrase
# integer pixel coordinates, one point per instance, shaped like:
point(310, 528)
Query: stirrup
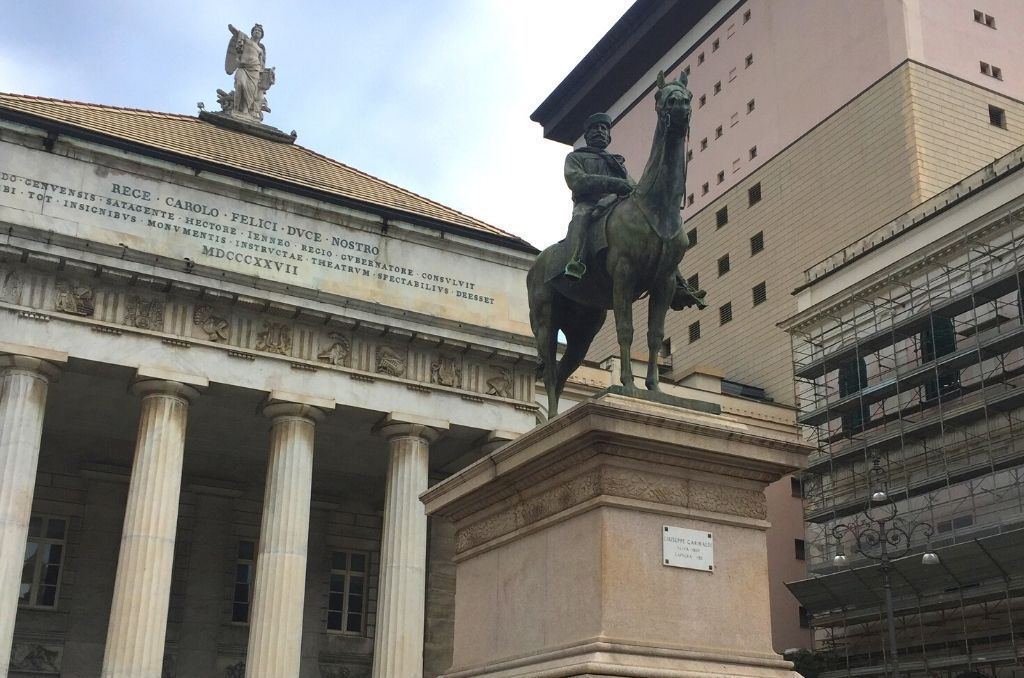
point(575, 269)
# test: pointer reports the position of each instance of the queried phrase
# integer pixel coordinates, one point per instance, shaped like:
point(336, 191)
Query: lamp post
point(880, 534)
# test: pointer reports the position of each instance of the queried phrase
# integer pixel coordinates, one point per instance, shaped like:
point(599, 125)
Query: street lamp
point(880, 534)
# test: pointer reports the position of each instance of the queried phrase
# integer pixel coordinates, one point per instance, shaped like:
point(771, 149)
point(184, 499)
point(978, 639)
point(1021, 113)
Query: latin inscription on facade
point(690, 549)
point(140, 214)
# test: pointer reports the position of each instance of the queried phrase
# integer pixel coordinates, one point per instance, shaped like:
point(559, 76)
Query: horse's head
point(672, 101)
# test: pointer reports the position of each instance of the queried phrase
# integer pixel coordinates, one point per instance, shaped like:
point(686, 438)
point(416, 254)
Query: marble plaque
point(75, 198)
point(690, 549)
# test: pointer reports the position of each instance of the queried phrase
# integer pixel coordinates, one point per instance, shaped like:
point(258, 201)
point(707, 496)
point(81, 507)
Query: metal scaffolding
point(923, 370)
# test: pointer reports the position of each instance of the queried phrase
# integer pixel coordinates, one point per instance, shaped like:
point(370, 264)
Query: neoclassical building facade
point(229, 367)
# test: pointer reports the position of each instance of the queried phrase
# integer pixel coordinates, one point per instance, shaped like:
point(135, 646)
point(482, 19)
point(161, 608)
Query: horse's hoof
point(652, 385)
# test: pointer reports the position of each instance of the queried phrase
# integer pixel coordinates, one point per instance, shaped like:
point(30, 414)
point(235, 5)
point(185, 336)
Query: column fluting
point(398, 645)
point(23, 385)
point(275, 626)
point(138, 615)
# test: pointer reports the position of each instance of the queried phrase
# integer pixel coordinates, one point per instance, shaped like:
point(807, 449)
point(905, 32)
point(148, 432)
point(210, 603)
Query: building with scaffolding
point(908, 349)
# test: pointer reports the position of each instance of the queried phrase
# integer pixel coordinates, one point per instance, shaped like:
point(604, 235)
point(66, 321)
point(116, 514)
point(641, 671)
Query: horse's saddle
point(594, 284)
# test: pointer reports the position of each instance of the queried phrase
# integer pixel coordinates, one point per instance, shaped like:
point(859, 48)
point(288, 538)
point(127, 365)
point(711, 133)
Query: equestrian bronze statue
point(625, 241)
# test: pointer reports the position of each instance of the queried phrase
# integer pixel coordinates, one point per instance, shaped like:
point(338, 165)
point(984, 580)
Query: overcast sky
point(434, 96)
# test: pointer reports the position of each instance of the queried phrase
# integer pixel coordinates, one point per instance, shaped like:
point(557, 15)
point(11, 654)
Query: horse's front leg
point(622, 301)
point(657, 309)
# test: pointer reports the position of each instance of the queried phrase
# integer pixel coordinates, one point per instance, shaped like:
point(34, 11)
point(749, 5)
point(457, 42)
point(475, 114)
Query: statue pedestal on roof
point(624, 537)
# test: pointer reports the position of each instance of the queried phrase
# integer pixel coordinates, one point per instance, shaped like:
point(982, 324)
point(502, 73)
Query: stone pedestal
point(23, 385)
point(559, 546)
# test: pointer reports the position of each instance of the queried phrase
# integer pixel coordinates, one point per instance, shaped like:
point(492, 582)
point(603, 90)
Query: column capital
point(144, 387)
point(287, 404)
point(397, 424)
point(24, 363)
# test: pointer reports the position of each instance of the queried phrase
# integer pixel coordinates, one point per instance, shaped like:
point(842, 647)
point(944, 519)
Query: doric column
point(275, 627)
point(398, 646)
point(142, 587)
point(23, 385)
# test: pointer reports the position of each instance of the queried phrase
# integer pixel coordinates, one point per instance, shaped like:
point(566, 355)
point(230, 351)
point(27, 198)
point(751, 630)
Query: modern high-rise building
point(813, 123)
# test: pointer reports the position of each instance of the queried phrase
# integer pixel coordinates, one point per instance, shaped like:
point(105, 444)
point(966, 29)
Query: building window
point(702, 100)
point(734, 119)
point(686, 71)
point(796, 487)
point(991, 71)
point(346, 601)
point(689, 154)
point(691, 236)
point(718, 87)
point(722, 217)
point(746, 16)
point(689, 200)
point(704, 188)
point(997, 116)
point(985, 19)
point(732, 74)
point(754, 194)
point(44, 556)
point(694, 331)
point(799, 549)
point(760, 293)
point(756, 243)
point(694, 281)
point(714, 45)
point(718, 132)
point(700, 58)
point(704, 144)
point(753, 152)
point(725, 313)
point(723, 265)
point(805, 619)
point(750, 106)
point(720, 177)
point(749, 61)
point(245, 573)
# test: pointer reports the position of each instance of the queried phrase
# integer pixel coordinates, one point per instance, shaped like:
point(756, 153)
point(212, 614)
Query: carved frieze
point(501, 383)
point(143, 313)
point(613, 482)
point(36, 658)
point(390, 362)
point(445, 371)
point(74, 298)
point(337, 353)
point(214, 326)
point(274, 338)
point(11, 285)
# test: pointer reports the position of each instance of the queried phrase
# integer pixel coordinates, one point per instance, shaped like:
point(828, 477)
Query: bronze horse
point(645, 243)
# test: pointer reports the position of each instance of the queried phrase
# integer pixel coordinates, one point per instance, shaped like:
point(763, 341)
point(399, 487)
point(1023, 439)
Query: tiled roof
point(292, 164)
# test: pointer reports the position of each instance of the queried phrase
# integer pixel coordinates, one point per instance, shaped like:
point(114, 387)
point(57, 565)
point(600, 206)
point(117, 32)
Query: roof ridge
point(109, 107)
point(427, 206)
point(403, 190)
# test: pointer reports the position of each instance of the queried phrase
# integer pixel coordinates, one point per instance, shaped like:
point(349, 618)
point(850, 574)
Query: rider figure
point(596, 178)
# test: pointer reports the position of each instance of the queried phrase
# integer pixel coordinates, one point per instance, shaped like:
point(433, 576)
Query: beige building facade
point(813, 123)
point(228, 368)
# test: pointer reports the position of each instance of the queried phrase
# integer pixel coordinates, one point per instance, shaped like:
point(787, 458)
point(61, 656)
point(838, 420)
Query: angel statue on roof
point(246, 58)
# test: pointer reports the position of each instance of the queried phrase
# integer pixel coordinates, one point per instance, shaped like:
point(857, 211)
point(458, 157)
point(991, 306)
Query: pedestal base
point(560, 569)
